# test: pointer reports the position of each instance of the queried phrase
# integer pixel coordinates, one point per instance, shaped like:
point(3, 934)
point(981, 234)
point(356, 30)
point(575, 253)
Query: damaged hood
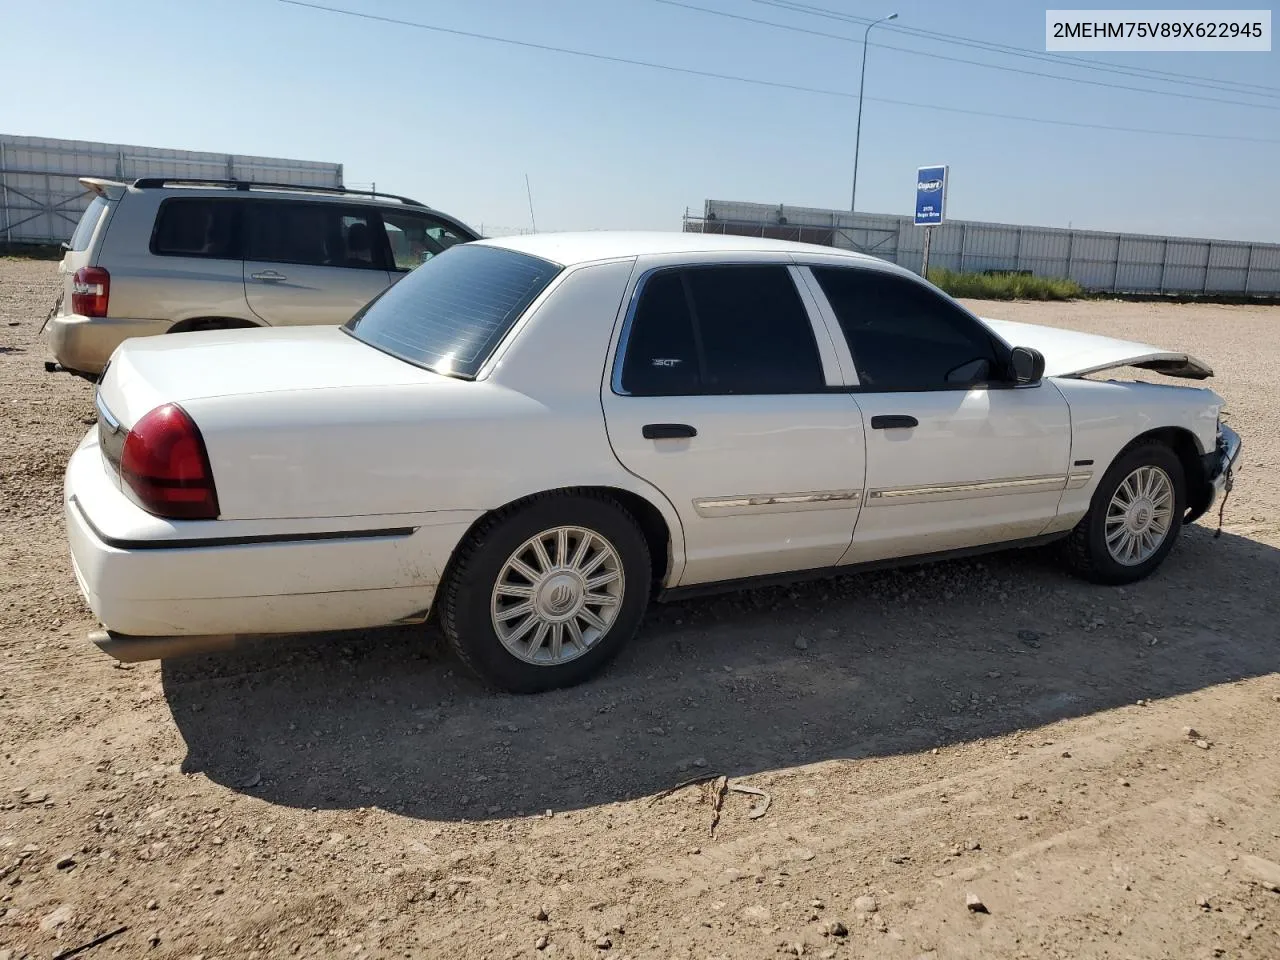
point(1071, 354)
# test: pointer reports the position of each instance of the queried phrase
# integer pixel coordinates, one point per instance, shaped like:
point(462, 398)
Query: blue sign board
point(931, 194)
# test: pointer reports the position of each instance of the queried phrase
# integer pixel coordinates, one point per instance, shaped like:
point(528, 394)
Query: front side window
point(313, 234)
point(450, 314)
point(414, 238)
point(88, 223)
point(196, 227)
point(903, 336)
point(721, 330)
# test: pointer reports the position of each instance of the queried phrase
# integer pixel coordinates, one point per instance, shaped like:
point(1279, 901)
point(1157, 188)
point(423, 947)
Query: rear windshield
point(449, 314)
point(88, 223)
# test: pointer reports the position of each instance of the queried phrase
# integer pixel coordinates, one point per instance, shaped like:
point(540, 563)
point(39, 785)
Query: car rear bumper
point(85, 344)
point(165, 588)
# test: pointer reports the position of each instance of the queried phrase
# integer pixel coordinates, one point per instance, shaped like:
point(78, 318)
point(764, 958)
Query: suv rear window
point(88, 223)
point(450, 313)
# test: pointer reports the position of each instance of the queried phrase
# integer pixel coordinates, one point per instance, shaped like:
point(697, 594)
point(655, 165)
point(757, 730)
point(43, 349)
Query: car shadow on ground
point(863, 665)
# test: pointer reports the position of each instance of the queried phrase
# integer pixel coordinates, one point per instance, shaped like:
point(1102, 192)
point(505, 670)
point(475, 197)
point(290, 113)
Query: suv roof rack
point(152, 183)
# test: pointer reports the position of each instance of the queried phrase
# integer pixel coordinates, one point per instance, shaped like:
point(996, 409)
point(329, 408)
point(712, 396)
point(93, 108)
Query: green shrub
point(1005, 286)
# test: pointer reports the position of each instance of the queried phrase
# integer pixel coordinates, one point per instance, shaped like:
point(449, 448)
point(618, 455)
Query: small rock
point(153, 904)
point(657, 731)
point(1203, 903)
point(1267, 872)
point(65, 862)
point(1029, 637)
point(58, 918)
point(1202, 744)
point(837, 929)
point(802, 643)
point(973, 845)
point(866, 904)
point(974, 903)
point(541, 943)
point(816, 904)
point(796, 949)
point(1191, 733)
point(1066, 754)
point(542, 914)
point(1123, 783)
point(604, 943)
point(154, 938)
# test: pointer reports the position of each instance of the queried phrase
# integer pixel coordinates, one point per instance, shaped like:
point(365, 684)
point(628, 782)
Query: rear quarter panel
point(532, 422)
point(1107, 415)
point(149, 287)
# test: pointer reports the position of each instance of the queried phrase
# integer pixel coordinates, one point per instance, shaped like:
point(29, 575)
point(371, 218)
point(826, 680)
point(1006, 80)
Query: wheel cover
point(557, 594)
point(1139, 516)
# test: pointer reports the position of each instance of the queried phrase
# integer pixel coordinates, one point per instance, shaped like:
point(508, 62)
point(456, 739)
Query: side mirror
point(1028, 364)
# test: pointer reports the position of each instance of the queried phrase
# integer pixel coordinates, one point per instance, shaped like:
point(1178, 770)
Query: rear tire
point(1134, 519)
point(545, 594)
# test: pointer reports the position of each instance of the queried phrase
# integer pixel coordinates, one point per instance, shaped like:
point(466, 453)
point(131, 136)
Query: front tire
point(543, 595)
point(1134, 519)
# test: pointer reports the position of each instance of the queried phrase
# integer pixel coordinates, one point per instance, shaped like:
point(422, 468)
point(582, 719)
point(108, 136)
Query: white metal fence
point(41, 200)
point(1103, 262)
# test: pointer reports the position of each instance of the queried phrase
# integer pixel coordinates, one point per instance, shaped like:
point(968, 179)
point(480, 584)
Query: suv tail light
point(90, 290)
point(165, 465)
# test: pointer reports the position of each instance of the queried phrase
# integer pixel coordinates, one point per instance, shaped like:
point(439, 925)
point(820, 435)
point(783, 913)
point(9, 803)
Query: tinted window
point(451, 312)
point(197, 228)
point(415, 238)
point(756, 334)
point(747, 332)
point(662, 357)
point(316, 234)
point(903, 335)
point(88, 223)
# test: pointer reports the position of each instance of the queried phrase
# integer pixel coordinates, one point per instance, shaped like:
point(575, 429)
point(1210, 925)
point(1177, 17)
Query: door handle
point(893, 421)
point(270, 276)
point(668, 431)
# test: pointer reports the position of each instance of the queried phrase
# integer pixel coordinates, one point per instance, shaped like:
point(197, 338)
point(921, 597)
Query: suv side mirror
point(1028, 364)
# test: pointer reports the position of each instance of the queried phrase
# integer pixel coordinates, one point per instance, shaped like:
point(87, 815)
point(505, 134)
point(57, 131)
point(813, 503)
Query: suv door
point(722, 397)
point(957, 454)
point(312, 262)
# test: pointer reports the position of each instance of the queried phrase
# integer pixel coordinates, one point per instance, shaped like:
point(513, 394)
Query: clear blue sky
point(458, 122)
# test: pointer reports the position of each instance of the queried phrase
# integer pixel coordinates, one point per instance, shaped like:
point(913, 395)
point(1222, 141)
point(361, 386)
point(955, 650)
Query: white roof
point(568, 249)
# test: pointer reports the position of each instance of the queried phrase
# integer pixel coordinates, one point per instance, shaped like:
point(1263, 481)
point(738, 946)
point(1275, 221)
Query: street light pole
point(857, 143)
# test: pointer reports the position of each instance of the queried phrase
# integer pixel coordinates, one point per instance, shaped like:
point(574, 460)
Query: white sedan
point(529, 439)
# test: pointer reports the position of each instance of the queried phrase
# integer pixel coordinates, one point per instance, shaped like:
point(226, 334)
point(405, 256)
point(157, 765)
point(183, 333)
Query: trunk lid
point(146, 372)
point(1068, 353)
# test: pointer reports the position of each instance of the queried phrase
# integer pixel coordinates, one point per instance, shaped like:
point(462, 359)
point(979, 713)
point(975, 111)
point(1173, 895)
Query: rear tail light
point(90, 290)
point(166, 467)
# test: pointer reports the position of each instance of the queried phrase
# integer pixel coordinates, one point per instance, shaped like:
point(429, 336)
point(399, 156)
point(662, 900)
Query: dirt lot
point(991, 728)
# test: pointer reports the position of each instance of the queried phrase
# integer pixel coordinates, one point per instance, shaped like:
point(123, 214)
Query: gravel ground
point(988, 730)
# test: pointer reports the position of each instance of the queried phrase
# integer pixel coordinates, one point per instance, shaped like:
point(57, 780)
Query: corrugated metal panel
point(41, 200)
point(1117, 262)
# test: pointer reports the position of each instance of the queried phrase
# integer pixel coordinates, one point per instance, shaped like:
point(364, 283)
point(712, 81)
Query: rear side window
point(197, 228)
point(313, 234)
point(449, 314)
point(903, 336)
point(721, 330)
point(88, 223)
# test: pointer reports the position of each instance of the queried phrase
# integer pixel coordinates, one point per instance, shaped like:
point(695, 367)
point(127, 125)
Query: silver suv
point(169, 255)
